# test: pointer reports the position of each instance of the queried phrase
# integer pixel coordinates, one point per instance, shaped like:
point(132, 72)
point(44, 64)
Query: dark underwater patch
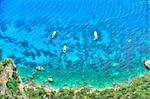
point(19, 23)
point(3, 27)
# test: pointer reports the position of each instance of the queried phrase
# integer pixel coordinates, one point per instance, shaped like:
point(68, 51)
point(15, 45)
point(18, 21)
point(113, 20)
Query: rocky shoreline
point(12, 87)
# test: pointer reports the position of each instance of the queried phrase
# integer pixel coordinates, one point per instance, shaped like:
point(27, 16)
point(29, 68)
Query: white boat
point(95, 35)
point(64, 48)
point(54, 34)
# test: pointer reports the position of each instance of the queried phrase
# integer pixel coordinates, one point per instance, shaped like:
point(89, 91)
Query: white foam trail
point(95, 35)
point(64, 48)
point(54, 34)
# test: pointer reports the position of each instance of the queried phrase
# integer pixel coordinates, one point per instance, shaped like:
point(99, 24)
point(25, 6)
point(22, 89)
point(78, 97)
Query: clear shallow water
point(25, 36)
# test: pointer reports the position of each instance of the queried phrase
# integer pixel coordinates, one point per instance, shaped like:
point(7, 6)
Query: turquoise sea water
point(122, 26)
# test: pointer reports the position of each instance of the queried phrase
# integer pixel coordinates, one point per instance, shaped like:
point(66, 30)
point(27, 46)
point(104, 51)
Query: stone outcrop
point(39, 68)
point(50, 79)
point(147, 64)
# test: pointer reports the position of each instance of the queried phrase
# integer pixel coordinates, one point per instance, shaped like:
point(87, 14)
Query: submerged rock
point(115, 64)
point(147, 64)
point(44, 81)
point(39, 68)
point(50, 79)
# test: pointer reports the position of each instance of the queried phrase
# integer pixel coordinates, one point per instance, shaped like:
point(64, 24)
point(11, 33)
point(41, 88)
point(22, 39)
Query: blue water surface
point(123, 30)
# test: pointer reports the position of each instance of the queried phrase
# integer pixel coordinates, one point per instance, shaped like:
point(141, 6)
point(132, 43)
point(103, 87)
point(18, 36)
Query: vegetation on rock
point(6, 61)
point(13, 83)
point(35, 93)
point(1, 67)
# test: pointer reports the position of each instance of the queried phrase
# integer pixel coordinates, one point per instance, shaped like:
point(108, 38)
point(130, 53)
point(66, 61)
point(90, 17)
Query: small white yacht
point(64, 48)
point(54, 34)
point(95, 35)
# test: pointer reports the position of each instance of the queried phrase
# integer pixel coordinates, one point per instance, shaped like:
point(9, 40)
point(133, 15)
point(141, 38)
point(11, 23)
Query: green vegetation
point(6, 61)
point(37, 93)
point(13, 83)
point(1, 67)
point(3, 97)
point(65, 93)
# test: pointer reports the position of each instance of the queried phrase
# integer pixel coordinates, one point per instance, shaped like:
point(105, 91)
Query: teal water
point(123, 30)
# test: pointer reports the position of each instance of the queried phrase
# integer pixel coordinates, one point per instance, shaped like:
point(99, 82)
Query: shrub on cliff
point(6, 61)
point(1, 67)
point(13, 83)
point(37, 93)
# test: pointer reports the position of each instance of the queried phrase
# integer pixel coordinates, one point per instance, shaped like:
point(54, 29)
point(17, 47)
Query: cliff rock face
point(6, 74)
point(10, 81)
